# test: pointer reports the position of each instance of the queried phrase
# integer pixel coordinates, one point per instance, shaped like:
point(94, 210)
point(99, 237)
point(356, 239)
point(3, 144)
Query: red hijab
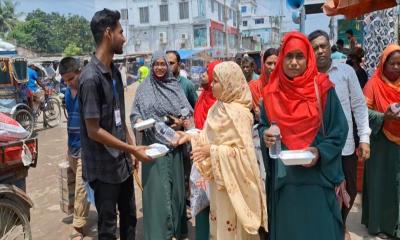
point(257, 86)
point(206, 99)
point(292, 103)
point(380, 93)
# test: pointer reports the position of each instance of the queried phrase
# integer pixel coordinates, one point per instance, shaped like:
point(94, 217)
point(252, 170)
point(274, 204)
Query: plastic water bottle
point(275, 149)
point(166, 132)
point(185, 114)
point(395, 107)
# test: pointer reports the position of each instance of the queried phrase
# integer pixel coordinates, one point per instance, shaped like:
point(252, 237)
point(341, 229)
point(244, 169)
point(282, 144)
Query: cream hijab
point(233, 165)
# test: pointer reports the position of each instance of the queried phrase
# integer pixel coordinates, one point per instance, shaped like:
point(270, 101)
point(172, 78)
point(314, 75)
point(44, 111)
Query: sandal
point(75, 236)
point(382, 236)
point(347, 235)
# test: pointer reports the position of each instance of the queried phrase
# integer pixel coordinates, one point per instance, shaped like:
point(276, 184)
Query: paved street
point(47, 220)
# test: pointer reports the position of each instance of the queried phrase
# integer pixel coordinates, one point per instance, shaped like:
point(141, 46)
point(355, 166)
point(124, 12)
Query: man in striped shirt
point(352, 99)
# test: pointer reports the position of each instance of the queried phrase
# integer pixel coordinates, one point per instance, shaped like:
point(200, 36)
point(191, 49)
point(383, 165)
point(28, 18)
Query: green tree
point(72, 50)
point(53, 33)
point(8, 17)
point(76, 29)
point(33, 34)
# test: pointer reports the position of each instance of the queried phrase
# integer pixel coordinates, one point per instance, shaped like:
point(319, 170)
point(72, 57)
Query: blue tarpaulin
point(8, 53)
point(188, 53)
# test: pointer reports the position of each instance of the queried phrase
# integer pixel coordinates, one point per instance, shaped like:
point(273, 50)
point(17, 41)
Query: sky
point(86, 8)
point(313, 21)
point(81, 7)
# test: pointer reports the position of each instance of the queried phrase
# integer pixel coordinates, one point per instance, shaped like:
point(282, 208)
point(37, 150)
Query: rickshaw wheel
point(25, 118)
point(14, 221)
point(52, 112)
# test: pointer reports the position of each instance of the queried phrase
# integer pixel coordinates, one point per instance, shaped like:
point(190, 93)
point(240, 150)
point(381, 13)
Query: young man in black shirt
point(106, 144)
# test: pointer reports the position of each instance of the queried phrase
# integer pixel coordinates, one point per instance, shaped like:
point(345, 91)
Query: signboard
point(196, 72)
point(355, 25)
point(309, 2)
point(313, 6)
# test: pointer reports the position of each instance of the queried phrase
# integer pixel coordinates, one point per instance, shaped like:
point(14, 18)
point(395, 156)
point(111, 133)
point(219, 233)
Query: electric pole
point(226, 30)
point(302, 19)
point(238, 22)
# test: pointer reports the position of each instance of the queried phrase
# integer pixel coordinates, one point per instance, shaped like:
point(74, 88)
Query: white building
point(259, 31)
point(177, 24)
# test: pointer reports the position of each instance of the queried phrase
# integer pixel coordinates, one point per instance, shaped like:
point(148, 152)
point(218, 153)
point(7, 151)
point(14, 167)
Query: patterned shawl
point(233, 164)
point(156, 98)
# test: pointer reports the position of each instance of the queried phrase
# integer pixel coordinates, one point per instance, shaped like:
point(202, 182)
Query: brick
point(66, 207)
point(66, 172)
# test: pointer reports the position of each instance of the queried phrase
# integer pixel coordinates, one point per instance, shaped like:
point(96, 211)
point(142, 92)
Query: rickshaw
point(15, 96)
point(15, 204)
point(16, 157)
point(13, 91)
point(49, 103)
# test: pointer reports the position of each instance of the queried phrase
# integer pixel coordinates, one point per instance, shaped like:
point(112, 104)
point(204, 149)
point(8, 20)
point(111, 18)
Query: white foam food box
point(193, 131)
point(156, 150)
point(296, 157)
point(140, 126)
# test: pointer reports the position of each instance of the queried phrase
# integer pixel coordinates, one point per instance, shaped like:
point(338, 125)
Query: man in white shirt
point(353, 103)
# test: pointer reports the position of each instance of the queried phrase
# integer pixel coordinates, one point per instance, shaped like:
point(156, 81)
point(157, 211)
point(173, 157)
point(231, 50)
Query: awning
point(355, 8)
point(188, 53)
point(8, 53)
point(6, 46)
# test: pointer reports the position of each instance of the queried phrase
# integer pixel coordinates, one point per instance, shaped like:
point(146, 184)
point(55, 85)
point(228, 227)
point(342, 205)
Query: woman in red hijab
point(303, 104)
point(381, 183)
point(256, 86)
point(206, 99)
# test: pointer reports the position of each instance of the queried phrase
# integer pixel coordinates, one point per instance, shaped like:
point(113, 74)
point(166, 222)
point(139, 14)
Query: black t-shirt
point(97, 89)
point(362, 77)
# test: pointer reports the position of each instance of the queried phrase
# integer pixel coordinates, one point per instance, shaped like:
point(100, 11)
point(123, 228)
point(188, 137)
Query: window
point(183, 10)
point(244, 9)
point(201, 8)
point(212, 6)
point(234, 18)
point(164, 13)
point(244, 23)
point(144, 14)
point(232, 40)
point(124, 14)
point(219, 38)
point(259, 21)
point(200, 36)
point(219, 12)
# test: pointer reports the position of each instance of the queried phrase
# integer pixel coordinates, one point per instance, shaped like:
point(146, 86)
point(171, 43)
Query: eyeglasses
point(172, 63)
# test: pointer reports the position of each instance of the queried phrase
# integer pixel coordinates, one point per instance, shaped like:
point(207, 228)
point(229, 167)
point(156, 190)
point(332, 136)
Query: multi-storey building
point(178, 24)
point(259, 31)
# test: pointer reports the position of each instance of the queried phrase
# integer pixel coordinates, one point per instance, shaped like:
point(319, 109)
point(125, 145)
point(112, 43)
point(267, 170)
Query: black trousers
point(187, 167)
point(350, 173)
point(107, 197)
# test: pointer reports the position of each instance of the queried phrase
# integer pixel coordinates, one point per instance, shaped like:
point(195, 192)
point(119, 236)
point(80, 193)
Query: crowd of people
point(318, 104)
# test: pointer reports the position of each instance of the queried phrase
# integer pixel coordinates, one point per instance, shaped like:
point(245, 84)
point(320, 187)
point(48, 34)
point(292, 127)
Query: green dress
point(203, 224)
point(189, 90)
point(302, 202)
point(164, 207)
point(380, 203)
